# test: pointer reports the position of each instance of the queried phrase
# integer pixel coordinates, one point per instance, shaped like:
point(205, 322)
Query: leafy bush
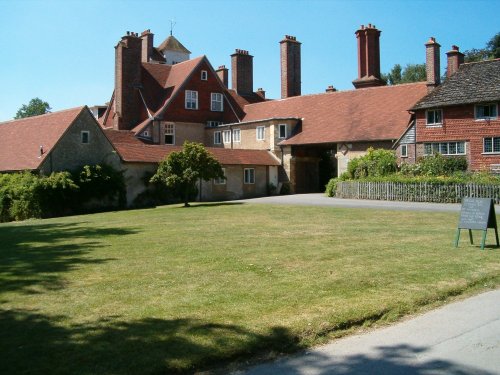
point(101, 187)
point(435, 165)
point(331, 187)
point(26, 195)
point(375, 163)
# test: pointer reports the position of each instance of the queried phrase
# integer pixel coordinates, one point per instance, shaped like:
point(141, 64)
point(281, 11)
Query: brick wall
point(459, 124)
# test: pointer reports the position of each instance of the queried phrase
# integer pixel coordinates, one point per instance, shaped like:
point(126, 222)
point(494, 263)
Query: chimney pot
point(330, 88)
point(455, 59)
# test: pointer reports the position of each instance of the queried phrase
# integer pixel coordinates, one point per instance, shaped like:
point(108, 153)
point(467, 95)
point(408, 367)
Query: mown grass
point(177, 290)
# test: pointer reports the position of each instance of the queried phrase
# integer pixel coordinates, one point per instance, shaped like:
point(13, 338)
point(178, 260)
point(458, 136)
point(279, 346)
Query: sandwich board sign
point(478, 214)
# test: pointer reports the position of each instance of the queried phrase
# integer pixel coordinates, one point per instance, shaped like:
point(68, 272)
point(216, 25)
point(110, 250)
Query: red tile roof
point(20, 140)
point(377, 113)
point(132, 149)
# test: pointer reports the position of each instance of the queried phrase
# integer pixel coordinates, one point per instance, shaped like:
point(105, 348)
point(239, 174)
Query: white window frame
point(85, 137)
point(217, 137)
point(216, 102)
point(282, 126)
point(214, 124)
point(437, 148)
point(404, 151)
point(492, 139)
point(145, 133)
point(191, 99)
point(491, 106)
point(204, 75)
point(237, 135)
point(226, 136)
point(434, 111)
point(221, 181)
point(169, 131)
point(249, 176)
point(260, 133)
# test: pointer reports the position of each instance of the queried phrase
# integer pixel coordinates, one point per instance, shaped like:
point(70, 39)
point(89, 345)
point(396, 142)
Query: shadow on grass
point(215, 204)
point(37, 344)
point(37, 255)
point(385, 360)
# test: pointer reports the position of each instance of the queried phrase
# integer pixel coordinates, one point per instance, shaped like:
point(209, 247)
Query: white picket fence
point(416, 192)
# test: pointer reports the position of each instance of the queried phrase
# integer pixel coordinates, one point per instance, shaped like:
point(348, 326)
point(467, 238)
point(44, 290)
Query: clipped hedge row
point(26, 195)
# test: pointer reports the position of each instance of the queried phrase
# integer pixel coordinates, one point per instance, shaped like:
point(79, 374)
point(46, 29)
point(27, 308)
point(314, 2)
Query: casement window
point(85, 136)
point(169, 134)
point(226, 136)
point(486, 111)
point(434, 117)
point(191, 99)
point(404, 151)
point(249, 176)
point(214, 124)
point(221, 180)
point(444, 148)
point(217, 102)
point(491, 145)
point(217, 137)
point(236, 135)
point(204, 75)
point(261, 133)
point(282, 130)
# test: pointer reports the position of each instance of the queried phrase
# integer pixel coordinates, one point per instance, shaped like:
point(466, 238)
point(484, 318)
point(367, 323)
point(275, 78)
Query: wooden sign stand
point(477, 213)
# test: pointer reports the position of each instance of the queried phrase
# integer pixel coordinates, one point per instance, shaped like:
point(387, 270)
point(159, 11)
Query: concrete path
point(460, 338)
point(320, 199)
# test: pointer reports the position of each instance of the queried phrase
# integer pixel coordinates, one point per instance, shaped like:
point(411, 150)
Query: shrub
point(375, 163)
point(331, 187)
point(285, 188)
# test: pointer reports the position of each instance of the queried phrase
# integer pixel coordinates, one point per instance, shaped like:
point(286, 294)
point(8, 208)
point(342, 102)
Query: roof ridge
point(480, 62)
point(44, 115)
point(340, 92)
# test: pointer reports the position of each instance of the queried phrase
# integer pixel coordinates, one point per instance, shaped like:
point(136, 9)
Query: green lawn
point(174, 289)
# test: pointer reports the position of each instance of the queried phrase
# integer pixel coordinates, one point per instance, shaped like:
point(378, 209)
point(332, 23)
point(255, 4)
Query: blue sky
point(63, 51)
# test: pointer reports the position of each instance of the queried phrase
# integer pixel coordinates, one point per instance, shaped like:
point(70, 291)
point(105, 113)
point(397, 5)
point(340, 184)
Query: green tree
point(182, 169)
point(410, 73)
point(491, 51)
point(35, 107)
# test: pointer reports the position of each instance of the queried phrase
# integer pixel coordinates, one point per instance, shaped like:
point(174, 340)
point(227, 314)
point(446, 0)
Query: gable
point(21, 140)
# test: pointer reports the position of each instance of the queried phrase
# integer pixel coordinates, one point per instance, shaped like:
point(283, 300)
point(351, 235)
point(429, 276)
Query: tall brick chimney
point(147, 45)
point(455, 59)
point(242, 72)
point(368, 57)
point(290, 67)
point(432, 63)
point(223, 74)
point(127, 79)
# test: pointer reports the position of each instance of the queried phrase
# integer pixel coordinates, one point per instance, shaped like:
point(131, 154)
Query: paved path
point(321, 200)
point(460, 338)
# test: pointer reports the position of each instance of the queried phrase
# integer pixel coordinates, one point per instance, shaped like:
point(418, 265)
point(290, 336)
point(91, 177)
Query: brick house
point(458, 117)
point(164, 104)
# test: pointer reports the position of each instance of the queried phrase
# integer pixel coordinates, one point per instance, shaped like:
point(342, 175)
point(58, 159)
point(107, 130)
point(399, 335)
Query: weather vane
point(172, 24)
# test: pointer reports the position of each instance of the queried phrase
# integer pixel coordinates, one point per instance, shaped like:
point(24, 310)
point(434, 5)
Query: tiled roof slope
point(371, 114)
point(172, 44)
point(132, 149)
point(472, 83)
point(20, 140)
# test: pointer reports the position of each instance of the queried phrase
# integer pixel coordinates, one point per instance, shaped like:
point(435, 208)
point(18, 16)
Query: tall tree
point(410, 73)
point(35, 107)
point(491, 51)
point(182, 169)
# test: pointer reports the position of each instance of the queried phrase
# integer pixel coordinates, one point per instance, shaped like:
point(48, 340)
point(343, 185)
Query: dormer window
point(204, 75)
point(434, 117)
point(486, 111)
